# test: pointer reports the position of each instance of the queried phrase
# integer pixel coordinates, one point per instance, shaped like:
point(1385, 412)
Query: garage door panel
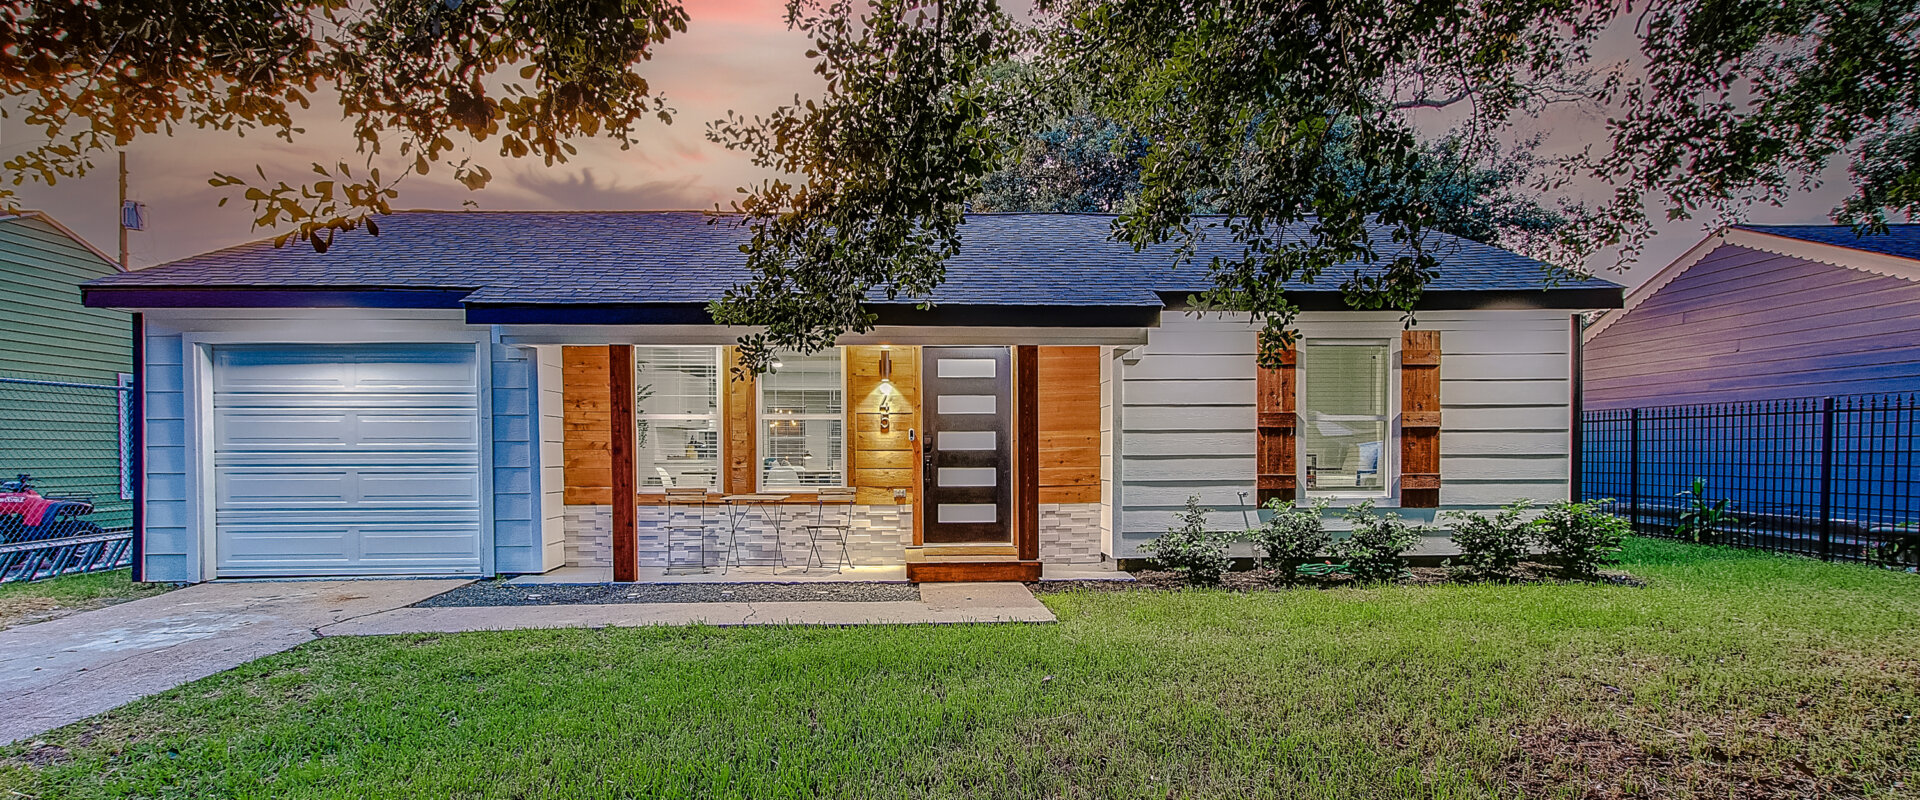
point(419, 430)
point(392, 540)
point(419, 488)
point(347, 460)
point(281, 429)
point(258, 369)
point(256, 488)
point(281, 488)
point(238, 430)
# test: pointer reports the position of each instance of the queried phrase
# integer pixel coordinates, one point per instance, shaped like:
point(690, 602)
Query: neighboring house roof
point(1898, 240)
point(612, 266)
point(1895, 253)
point(64, 231)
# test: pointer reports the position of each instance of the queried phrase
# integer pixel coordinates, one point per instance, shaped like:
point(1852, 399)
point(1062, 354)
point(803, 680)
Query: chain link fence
point(66, 477)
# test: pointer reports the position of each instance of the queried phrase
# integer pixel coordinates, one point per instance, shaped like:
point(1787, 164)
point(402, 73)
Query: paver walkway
point(940, 603)
point(65, 670)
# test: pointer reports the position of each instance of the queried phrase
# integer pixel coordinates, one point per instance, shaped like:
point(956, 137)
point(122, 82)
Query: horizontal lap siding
point(171, 550)
point(44, 330)
point(1743, 324)
point(588, 426)
point(883, 461)
point(1186, 415)
point(1069, 424)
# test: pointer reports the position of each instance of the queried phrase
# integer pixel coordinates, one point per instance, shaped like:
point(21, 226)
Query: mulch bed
point(502, 593)
point(1265, 580)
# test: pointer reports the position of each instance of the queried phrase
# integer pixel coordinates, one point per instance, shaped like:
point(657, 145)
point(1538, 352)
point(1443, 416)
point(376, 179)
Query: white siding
point(171, 553)
point(1108, 369)
point(1185, 420)
point(552, 458)
point(518, 541)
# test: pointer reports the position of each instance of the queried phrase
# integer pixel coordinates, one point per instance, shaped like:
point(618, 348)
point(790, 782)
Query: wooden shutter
point(1277, 422)
point(1420, 419)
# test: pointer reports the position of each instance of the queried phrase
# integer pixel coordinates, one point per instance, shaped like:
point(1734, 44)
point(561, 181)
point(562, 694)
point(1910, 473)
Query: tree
point(907, 129)
point(427, 80)
point(1082, 163)
point(1268, 111)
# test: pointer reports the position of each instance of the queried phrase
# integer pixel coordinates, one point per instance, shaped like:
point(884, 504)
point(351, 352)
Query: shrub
point(1374, 548)
point(1189, 547)
point(1491, 546)
point(1701, 519)
point(1579, 537)
point(1292, 535)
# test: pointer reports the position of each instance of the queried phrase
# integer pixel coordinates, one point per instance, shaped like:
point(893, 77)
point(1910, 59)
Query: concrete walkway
point(65, 670)
point(940, 603)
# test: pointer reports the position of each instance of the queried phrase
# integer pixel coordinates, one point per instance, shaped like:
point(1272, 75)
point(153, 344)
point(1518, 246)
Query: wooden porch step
point(972, 568)
point(943, 552)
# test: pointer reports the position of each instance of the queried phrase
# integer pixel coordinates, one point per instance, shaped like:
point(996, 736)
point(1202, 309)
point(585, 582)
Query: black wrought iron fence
point(1832, 477)
point(66, 477)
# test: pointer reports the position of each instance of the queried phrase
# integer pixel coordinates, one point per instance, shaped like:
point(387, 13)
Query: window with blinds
point(802, 423)
point(1345, 413)
point(677, 416)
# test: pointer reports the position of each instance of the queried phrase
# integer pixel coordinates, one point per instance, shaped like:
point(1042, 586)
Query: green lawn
point(26, 603)
point(1731, 675)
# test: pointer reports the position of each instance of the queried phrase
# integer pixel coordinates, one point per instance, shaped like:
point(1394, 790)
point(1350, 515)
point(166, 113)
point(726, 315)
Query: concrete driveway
point(60, 672)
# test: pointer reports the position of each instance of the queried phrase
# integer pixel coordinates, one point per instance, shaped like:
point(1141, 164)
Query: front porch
point(839, 441)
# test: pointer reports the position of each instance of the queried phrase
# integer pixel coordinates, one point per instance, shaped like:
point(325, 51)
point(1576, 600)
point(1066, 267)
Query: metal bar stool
point(832, 523)
point(687, 525)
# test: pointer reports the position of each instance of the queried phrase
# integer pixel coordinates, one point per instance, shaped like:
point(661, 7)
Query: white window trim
point(719, 417)
point(760, 417)
point(1389, 490)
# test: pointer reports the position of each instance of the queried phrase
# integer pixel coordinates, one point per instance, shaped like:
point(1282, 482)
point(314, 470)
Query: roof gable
point(1816, 243)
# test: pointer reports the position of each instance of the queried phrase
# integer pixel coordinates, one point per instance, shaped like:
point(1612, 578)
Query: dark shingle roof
point(692, 257)
point(1899, 240)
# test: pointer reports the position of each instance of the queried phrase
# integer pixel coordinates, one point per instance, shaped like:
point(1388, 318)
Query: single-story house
point(1765, 312)
point(477, 393)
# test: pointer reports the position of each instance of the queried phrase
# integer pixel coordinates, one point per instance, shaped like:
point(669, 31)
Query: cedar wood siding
point(1745, 324)
point(1187, 410)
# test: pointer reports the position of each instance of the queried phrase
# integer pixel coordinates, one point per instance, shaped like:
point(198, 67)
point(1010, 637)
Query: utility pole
point(123, 210)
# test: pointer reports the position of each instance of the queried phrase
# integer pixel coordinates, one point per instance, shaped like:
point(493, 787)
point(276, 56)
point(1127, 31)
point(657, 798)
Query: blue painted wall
point(1751, 325)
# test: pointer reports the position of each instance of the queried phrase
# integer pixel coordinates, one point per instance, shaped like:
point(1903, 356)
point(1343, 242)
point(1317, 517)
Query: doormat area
point(501, 593)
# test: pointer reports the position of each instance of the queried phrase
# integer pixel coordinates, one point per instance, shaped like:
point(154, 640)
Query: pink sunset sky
point(736, 55)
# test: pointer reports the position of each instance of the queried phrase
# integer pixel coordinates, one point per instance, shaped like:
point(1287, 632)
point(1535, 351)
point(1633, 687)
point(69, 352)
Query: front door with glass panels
point(967, 400)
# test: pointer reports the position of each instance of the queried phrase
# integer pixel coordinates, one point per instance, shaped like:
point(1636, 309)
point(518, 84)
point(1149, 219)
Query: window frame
point(1389, 448)
point(719, 416)
point(844, 416)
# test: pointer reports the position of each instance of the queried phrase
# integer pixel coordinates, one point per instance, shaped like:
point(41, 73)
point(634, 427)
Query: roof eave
point(1587, 298)
point(112, 296)
point(893, 314)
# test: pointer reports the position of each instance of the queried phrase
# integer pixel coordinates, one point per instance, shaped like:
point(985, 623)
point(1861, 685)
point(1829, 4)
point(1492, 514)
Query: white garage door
point(346, 460)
